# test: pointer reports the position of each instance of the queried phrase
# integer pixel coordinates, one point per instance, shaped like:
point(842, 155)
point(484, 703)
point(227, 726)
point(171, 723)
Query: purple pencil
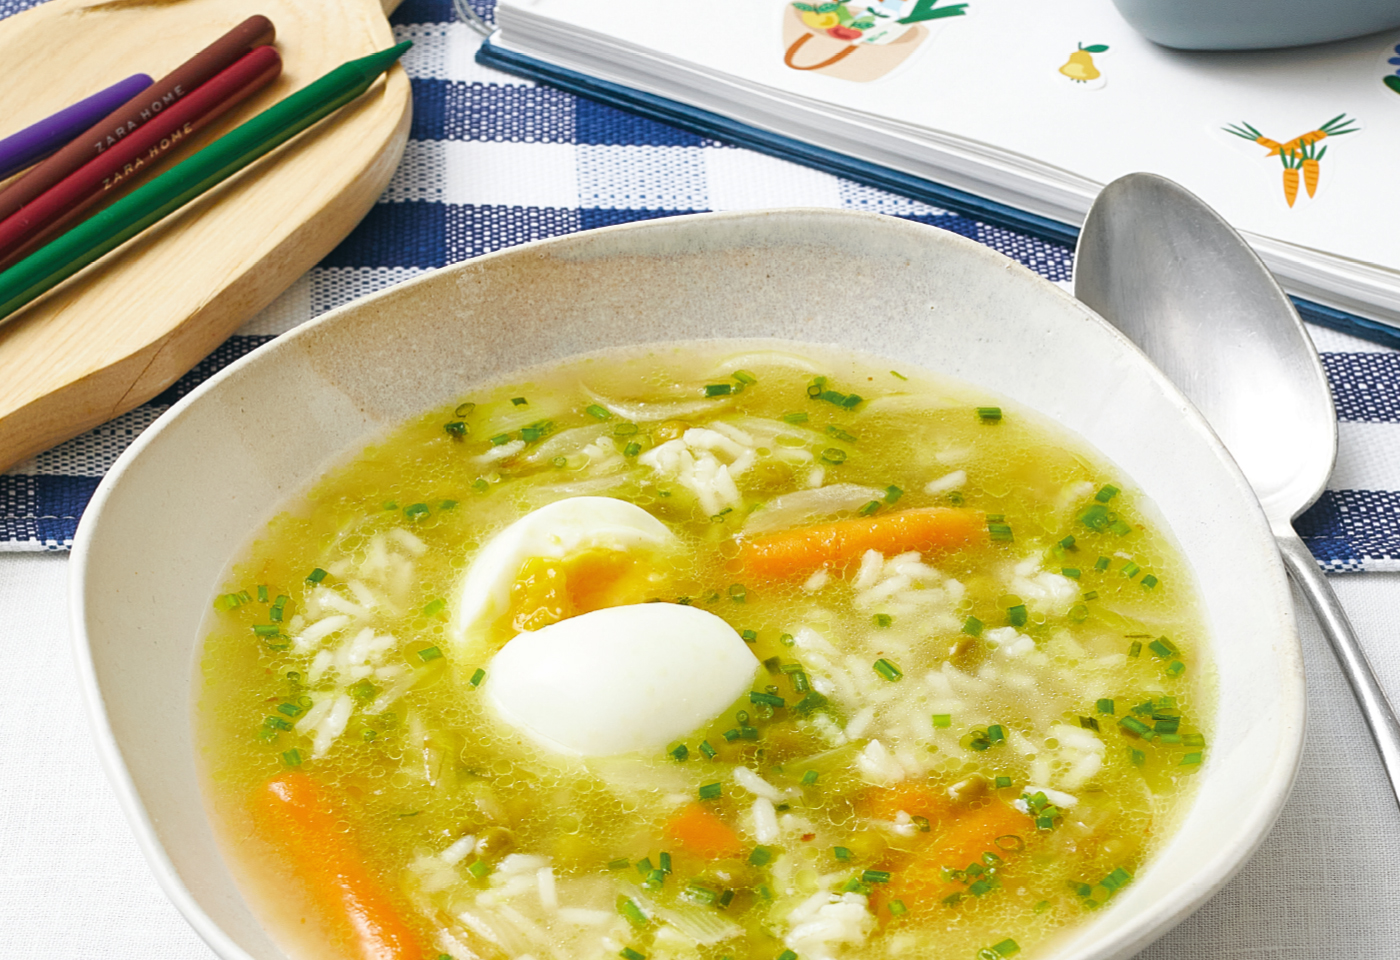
point(36, 142)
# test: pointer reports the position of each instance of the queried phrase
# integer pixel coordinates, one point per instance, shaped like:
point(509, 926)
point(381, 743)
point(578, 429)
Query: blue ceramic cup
point(1256, 24)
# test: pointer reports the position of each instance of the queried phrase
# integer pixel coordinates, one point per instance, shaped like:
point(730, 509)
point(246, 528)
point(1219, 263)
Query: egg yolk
point(547, 590)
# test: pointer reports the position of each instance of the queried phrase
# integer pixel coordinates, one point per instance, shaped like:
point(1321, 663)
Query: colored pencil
point(135, 156)
point(171, 190)
point(38, 140)
point(127, 118)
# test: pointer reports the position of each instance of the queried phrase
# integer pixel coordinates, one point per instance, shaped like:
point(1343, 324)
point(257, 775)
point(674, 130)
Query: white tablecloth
point(73, 885)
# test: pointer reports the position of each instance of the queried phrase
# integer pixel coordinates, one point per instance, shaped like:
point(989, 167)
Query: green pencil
point(56, 262)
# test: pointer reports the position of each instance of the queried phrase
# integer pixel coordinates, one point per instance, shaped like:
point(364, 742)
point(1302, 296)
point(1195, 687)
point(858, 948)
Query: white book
point(1035, 105)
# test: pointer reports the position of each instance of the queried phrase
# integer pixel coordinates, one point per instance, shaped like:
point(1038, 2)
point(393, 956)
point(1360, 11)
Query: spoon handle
point(1379, 715)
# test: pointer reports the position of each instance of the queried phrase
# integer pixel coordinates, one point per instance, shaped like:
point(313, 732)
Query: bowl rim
point(1127, 939)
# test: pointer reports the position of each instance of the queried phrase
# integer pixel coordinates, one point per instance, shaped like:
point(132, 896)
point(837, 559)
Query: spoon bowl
point(1178, 281)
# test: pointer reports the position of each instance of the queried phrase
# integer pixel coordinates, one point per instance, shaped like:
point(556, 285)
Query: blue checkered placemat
point(493, 161)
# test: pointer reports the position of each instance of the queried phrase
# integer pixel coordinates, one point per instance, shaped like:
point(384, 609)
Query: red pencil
point(134, 156)
point(140, 109)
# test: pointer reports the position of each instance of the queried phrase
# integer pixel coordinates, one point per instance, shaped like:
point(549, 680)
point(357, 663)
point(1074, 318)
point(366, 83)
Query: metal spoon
point(1173, 276)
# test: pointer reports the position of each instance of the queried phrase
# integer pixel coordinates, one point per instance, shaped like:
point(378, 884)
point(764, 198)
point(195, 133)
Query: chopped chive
point(942, 720)
point(1131, 570)
point(1105, 706)
point(1000, 531)
point(1134, 726)
point(390, 504)
point(718, 389)
point(645, 866)
point(869, 508)
point(887, 669)
point(972, 627)
point(738, 592)
point(627, 953)
point(787, 640)
point(480, 485)
point(809, 778)
point(619, 864)
point(429, 654)
point(699, 893)
point(1006, 948)
point(632, 449)
point(1137, 757)
point(1071, 572)
point(1078, 613)
point(292, 710)
point(1135, 648)
point(1193, 740)
point(262, 593)
point(1101, 563)
point(1191, 760)
point(989, 414)
point(537, 430)
point(316, 576)
point(456, 429)
point(768, 698)
point(1166, 725)
point(748, 636)
point(1095, 516)
point(464, 409)
point(841, 853)
point(1090, 595)
point(1089, 723)
point(416, 511)
point(679, 752)
point(1018, 615)
point(1176, 668)
point(707, 750)
point(897, 907)
point(293, 758)
point(364, 690)
point(797, 417)
point(1120, 528)
point(433, 607)
point(834, 431)
point(996, 734)
point(1067, 542)
point(787, 955)
point(266, 629)
point(811, 703)
point(519, 401)
point(276, 723)
point(1163, 647)
point(480, 869)
point(1106, 493)
point(477, 677)
point(500, 439)
point(630, 910)
point(711, 791)
point(597, 412)
point(1002, 782)
point(726, 898)
point(874, 876)
point(834, 455)
point(663, 862)
point(1149, 581)
point(744, 377)
point(625, 429)
point(882, 620)
point(760, 856)
point(896, 373)
point(748, 733)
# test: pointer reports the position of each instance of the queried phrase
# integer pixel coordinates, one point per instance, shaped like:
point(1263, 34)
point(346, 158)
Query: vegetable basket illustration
point(858, 42)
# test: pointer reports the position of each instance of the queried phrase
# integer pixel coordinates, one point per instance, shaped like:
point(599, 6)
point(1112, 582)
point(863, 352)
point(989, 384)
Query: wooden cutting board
point(116, 334)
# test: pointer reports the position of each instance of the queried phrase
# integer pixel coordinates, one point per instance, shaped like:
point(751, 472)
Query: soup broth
point(975, 694)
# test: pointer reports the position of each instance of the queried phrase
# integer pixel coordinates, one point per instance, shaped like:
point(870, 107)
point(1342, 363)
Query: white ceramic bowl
point(169, 517)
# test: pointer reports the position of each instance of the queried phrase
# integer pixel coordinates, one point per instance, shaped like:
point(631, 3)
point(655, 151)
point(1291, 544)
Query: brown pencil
point(256, 31)
point(137, 155)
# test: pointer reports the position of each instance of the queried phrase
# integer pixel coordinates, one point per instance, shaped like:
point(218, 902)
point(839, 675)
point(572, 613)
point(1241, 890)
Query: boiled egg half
point(585, 667)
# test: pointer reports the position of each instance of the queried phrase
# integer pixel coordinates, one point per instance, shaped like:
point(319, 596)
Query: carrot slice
point(918, 798)
point(299, 816)
point(921, 885)
point(704, 834)
point(796, 553)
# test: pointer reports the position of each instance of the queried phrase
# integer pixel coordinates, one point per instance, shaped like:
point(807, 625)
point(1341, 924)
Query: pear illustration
point(1080, 66)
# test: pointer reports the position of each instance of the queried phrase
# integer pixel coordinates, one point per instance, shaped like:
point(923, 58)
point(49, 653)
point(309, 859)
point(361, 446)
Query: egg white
point(620, 679)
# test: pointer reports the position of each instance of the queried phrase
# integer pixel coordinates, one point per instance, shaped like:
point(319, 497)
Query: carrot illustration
point(1312, 171)
point(1291, 163)
point(299, 816)
point(1335, 127)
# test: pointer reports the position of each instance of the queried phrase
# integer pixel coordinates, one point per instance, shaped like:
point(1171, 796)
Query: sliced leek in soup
point(718, 650)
